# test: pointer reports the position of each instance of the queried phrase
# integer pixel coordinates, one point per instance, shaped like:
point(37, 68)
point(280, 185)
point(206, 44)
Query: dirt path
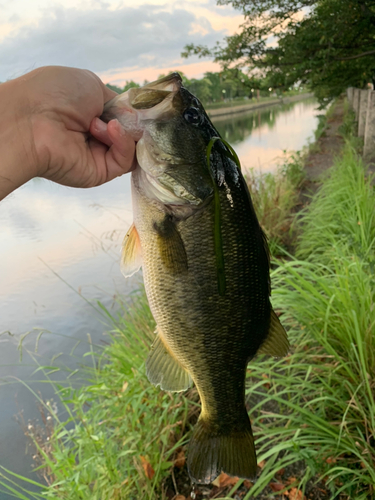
point(323, 153)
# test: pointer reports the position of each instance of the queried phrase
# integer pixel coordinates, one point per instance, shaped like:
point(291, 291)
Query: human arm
point(49, 127)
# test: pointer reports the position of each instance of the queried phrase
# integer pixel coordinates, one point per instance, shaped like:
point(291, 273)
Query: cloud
point(211, 6)
point(103, 39)
point(192, 69)
point(14, 18)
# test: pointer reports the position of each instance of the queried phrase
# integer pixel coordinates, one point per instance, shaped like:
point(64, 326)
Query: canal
point(60, 256)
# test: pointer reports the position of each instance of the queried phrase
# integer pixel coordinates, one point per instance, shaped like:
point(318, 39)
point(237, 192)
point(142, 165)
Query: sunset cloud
point(119, 40)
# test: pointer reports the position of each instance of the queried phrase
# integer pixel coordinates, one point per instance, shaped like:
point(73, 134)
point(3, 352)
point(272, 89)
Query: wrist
point(18, 160)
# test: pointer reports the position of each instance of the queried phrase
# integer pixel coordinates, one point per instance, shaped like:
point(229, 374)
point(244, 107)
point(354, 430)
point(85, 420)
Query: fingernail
point(120, 128)
point(100, 125)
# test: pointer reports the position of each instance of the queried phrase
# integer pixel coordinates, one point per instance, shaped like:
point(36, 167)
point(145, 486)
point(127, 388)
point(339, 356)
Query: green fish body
point(206, 270)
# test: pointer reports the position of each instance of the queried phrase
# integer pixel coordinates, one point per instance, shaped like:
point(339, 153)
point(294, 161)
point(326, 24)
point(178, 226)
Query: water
point(60, 255)
point(260, 137)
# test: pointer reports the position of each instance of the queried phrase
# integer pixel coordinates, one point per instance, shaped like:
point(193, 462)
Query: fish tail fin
point(213, 450)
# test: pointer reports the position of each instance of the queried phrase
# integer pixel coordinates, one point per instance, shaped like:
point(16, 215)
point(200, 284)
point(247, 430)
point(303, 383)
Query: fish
point(205, 263)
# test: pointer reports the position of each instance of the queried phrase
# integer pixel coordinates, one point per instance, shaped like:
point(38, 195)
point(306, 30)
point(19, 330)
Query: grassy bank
point(275, 195)
point(319, 406)
point(313, 412)
point(115, 437)
point(242, 101)
point(239, 102)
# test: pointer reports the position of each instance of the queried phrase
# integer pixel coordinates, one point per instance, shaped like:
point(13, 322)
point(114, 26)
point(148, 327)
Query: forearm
point(18, 162)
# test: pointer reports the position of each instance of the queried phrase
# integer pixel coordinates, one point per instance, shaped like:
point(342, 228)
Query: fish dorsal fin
point(163, 369)
point(131, 257)
point(276, 343)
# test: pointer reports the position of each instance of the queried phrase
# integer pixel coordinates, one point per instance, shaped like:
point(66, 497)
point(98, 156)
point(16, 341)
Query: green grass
point(341, 215)
point(320, 405)
point(239, 102)
point(322, 125)
point(97, 446)
point(274, 197)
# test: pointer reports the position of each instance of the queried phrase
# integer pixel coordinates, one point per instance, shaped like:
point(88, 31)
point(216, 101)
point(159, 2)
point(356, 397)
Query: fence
point(363, 104)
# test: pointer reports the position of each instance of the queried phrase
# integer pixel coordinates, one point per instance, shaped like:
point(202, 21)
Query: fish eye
point(193, 116)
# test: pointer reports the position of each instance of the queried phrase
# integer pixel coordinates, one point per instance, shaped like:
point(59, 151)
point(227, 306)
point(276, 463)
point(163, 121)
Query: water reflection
point(237, 128)
point(260, 136)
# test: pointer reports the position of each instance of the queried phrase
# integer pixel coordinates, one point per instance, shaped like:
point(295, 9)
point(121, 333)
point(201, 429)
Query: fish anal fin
point(171, 246)
point(276, 343)
point(163, 369)
point(131, 256)
point(212, 452)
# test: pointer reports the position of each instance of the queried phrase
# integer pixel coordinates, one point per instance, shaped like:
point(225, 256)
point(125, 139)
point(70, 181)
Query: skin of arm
point(49, 127)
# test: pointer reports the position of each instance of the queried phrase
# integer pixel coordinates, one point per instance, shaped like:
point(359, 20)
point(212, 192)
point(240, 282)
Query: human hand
point(67, 103)
point(54, 111)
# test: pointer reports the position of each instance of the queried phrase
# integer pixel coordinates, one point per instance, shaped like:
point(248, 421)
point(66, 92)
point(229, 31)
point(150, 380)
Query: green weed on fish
point(217, 225)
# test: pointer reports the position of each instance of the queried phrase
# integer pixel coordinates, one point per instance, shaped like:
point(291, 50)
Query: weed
point(319, 405)
point(115, 437)
point(274, 196)
point(341, 213)
point(322, 126)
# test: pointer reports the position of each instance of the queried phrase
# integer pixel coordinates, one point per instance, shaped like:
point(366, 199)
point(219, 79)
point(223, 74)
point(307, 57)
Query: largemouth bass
point(205, 267)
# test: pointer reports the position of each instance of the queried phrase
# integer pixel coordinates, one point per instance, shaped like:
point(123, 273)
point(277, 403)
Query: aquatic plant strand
point(220, 265)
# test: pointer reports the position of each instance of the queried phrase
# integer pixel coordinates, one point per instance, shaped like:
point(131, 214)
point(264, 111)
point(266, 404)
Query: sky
point(118, 40)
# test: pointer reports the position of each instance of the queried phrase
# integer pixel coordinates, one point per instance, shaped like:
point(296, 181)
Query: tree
point(326, 44)
point(114, 88)
point(129, 85)
point(200, 88)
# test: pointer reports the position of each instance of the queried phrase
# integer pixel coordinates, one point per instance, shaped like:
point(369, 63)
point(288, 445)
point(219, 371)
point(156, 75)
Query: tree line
point(327, 45)
point(226, 85)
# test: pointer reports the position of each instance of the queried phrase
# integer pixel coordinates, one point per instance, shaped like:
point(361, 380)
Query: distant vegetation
point(317, 407)
point(228, 85)
point(328, 45)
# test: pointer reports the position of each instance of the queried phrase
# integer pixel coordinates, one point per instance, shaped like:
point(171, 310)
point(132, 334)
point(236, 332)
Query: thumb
point(122, 150)
point(119, 157)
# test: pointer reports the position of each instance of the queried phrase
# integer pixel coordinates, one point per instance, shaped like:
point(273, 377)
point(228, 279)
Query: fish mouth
point(171, 83)
point(151, 100)
point(152, 94)
point(135, 109)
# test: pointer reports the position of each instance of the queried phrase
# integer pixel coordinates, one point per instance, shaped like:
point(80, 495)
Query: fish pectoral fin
point(131, 257)
point(170, 246)
point(276, 343)
point(163, 369)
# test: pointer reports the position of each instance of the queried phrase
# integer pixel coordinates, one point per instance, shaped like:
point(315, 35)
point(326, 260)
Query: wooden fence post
point(362, 111)
point(356, 102)
point(369, 145)
point(349, 94)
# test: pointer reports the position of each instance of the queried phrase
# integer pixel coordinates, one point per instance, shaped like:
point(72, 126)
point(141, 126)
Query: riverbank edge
point(322, 153)
point(231, 110)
